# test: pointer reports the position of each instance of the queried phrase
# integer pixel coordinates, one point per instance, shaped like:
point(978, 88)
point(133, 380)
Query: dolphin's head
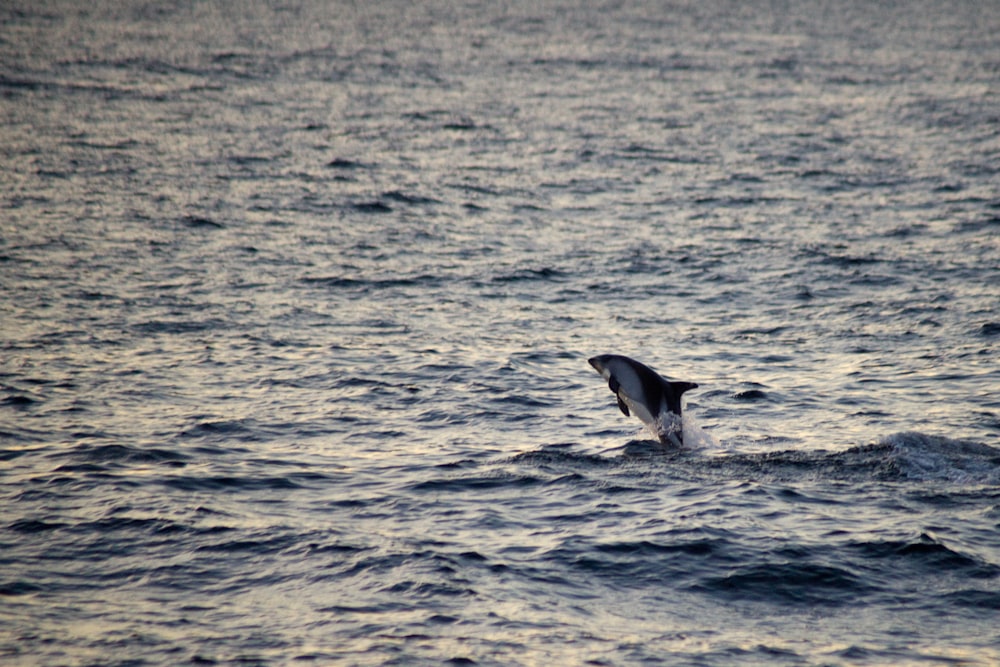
point(600, 364)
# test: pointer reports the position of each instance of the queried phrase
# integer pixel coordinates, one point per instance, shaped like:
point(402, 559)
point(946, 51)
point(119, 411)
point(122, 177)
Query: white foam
point(669, 424)
point(697, 438)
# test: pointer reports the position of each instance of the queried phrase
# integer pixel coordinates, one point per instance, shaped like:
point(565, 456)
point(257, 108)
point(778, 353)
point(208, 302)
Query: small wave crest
point(907, 456)
point(919, 456)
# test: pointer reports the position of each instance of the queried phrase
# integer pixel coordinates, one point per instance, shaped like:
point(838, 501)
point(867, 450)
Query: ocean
point(297, 297)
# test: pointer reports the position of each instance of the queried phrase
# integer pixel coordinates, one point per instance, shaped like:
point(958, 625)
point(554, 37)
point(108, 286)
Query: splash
point(669, 426)
point(697, 438)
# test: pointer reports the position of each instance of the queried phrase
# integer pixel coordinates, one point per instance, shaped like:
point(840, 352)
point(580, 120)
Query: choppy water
point(296, 301)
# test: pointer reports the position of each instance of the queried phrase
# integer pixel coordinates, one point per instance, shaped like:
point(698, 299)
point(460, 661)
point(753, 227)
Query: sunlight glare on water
point(298, 301)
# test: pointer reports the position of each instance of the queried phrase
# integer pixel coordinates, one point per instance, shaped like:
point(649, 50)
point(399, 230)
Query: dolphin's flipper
point(621, 404)
point(613, 386)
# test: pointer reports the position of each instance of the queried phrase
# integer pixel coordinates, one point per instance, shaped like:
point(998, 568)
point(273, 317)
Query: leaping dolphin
point(654, 400)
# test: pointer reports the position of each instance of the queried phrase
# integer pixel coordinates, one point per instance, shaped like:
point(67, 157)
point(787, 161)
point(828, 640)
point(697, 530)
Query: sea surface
point(296, 300)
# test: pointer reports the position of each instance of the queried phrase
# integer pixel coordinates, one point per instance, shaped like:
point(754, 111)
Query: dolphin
point(654, 400)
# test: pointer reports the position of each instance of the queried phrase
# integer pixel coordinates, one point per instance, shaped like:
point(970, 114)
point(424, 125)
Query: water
point(297, 301)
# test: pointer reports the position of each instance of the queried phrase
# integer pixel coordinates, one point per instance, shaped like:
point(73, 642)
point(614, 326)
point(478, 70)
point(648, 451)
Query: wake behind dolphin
point(654, 400)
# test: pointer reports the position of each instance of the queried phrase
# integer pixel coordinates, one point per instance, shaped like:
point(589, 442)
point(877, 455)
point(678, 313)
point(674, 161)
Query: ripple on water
point(297, 312)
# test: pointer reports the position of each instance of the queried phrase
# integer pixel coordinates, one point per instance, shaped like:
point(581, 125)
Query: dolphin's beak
point(599, 366)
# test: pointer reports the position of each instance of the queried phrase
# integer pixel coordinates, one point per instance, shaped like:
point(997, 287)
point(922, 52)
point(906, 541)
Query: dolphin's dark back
point(653, 384)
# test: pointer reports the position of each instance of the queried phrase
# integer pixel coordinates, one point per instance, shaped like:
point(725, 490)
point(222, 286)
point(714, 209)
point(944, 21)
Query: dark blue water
point(296, 301)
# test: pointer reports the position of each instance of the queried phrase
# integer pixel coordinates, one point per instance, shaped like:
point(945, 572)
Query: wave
point(926, 457)
point(788, 583)
point(906, 456)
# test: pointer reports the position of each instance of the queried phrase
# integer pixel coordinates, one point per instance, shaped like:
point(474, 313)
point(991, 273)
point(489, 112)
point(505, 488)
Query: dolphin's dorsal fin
point(672, 395)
